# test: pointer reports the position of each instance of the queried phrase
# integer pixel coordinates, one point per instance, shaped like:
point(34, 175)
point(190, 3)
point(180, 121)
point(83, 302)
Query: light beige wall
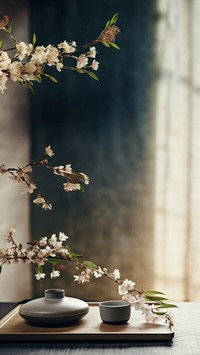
point(15, 280)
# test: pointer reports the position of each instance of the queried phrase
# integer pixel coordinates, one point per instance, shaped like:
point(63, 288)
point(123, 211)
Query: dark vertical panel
point(104, 129)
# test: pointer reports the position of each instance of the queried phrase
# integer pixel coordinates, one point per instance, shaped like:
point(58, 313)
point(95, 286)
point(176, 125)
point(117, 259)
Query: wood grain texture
point(185, 342)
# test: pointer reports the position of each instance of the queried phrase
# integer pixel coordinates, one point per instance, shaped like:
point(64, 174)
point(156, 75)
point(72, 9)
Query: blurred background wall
point(135, 133)
point(105, 129)
point(15, 281)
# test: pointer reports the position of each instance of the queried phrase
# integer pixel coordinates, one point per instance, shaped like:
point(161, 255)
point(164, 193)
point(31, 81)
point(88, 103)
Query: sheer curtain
point(177, 149)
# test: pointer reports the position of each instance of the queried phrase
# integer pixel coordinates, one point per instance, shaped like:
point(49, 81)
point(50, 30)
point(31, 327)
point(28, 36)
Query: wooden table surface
point(185, 342)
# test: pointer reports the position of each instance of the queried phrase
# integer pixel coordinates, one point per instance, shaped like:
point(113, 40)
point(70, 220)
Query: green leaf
point(90, 265)
point(34, 39)
point(1, 43)
point(69, 249)
point(20, 246)
point(9, 29)
point(39, 269)
point(30, 87)
point(114, 19)
point(167, 305)
point(114, 45)
point(94, 76)
point(159, 313)
point(105, 44)
point(107, 23)
point(75, 257)
point(81, 71)
point(153, 292)
point(52, 260)
point(51, 78)
point(155, 298)
point(39, 78)
point(30, 82)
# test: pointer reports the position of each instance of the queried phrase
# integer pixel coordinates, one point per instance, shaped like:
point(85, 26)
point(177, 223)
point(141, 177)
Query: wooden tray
point(90, 328)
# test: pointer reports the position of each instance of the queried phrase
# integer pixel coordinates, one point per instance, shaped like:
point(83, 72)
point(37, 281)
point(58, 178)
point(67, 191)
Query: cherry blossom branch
point(54, 251)
point(24, 175)
point(29, 62)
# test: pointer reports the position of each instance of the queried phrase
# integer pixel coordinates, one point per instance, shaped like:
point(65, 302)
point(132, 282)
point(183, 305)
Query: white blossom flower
point(52, 55)
point(39, 200)
point(63, 171)
point(30, 254)
point(43, 241)
point(93, 52)
point(4, 60)
point(54, 274)
point(82, 61)
point(147, 311)
point(98, 273)
point(29, 257)
point(23, 49)
point(29, 48)
point(95, 65)
point(59, 170)
point(128, 298)
point(3, 80)
point(64, 252)
point(49, 151)
point(25, 170)
point(68, 169)
point(15, 71)
point(125, 287)
point(83, 277)
point(40, 276)
point(138, 302)
point(54, 242)
point(29, 188)
point(116, 274)
point(67, 47)
point(68, 186)
point(47, 206)
point(59, 66)
point(29, 71)
point(39, 56)
point(47, 251)
point(85, 178)
point(62, 237)
point(53, 239)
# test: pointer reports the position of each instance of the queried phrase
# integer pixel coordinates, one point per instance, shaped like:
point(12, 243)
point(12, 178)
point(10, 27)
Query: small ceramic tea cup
point(115, 312)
